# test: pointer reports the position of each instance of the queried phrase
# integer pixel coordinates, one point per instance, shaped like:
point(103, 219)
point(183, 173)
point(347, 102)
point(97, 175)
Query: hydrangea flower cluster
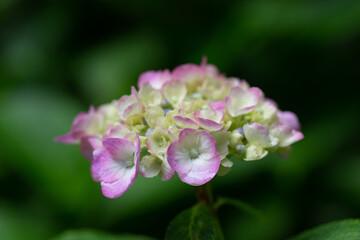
point(191, 120)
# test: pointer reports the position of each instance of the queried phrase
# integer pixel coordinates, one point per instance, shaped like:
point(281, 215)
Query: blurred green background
point(59, 57)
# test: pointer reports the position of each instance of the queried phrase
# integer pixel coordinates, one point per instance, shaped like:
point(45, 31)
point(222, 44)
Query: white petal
point(285, 134)
point(254, 152)
point(149, 95)
point(258, 134)
point(174, 92)
point(150, 166)
point(240, 101)
point(222, 142)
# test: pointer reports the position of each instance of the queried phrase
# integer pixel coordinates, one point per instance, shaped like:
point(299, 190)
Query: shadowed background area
point(59, 57)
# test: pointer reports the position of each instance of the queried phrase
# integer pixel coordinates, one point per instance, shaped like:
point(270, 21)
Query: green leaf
point(242, 206)
point(195, 223)
point(340, 230)
point(97, 235)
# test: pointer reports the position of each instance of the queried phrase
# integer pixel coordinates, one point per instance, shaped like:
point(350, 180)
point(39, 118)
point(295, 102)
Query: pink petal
point(135, 93)
point(110, 165)
point(99, 157)
point(137, 152)
point(194, 171)
point(155, 78)
point(209, 68)
point(88, 144)
point(271, 101)
point(236, 82)
point(83, 124)
point(118, 147)
point(218, 105)
point(118, 131)
point(209, 119)
point(67, 138)
point(185, 122)
point(289, 119)
point(131, 110)
point(209, 124)
point(117, 188)
point(84, 121)
point(186, 71)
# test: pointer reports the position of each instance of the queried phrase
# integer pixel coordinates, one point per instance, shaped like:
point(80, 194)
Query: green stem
point(204, 195)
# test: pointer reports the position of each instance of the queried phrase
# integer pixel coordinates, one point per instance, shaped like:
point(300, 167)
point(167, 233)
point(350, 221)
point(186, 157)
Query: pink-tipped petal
point(129, 105)
point(285, 134)
point(136, 94)
point(83, 124)
point(88, 144)
point(166, 172)
point(116, 165)
point(209, 119)
point(236, 82)
point(111, 162)
point(209, 124)
point(118, 131)
point(211, 114)
point(117, 188)
point(194, 156)
point(240, 101)
point(67, 138)
point(218, 105)
point(188, 71)
point(155, 78)
point(185, 122)
point(271, 101)
point(289, 119)
point(131, 110)
point(137, 152)
point(211, 70)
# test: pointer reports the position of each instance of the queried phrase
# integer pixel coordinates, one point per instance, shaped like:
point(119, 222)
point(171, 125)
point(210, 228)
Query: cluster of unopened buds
point(191, 120)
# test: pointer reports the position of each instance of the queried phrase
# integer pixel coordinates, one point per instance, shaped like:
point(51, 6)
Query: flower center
point(163, 141)
point(194, 153)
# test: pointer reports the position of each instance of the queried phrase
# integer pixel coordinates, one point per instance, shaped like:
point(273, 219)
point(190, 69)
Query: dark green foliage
point(96, 235)
point(195, 223)
point(240, 205)
point(340, 230)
